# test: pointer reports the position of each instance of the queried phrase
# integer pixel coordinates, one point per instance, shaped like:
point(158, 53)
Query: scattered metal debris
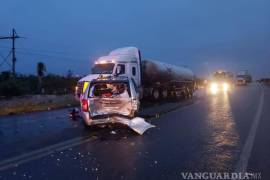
point(113, 132)
point(74, 114)
point(139, 125)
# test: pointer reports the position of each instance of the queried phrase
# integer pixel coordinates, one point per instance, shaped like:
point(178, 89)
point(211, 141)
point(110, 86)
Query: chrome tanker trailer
point(161, 80)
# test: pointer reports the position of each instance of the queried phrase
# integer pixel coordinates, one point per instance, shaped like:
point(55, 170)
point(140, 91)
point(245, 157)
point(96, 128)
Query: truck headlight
point(225, 87)
point(214, 88)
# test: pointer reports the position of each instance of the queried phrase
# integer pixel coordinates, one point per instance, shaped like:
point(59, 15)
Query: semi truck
point(240, 81)
point(244, 76)
point(155, 80)
point(121, 79)
point(221, 81)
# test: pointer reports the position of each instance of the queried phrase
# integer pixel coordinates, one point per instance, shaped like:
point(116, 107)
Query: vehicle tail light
point(84, 105)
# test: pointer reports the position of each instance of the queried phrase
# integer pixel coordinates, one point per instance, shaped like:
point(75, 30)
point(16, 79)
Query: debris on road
point(113, 132)
point(139, 125)
point(74, 114)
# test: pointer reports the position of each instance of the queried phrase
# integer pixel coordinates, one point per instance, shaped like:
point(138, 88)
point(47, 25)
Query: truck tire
point(189, 93)
point(164, 94)
point(183, 95)
point(186, 93)
point(156, 94)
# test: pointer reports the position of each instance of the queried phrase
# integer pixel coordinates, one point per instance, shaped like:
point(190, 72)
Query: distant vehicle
point(244, 74)
point(264, 80)
point(221, 81)
point(240, 81)
point(143, 79)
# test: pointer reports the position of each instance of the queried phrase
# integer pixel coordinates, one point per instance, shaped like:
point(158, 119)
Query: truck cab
point(240, 81)
point(244, 74)
point(221, 81)
point(123, 62)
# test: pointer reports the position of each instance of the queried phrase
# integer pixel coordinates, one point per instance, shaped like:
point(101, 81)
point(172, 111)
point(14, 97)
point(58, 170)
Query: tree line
point(41, 83)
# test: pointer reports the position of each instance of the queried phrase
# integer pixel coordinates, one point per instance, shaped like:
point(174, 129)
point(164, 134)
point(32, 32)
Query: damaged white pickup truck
point(112, 100)
point(107, 97)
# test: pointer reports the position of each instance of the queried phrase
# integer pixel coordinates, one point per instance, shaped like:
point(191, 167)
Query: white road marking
point(245, 154)
point(27, 157)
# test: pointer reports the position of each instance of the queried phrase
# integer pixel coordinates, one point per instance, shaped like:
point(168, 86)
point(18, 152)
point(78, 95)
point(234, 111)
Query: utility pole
point(13, 37)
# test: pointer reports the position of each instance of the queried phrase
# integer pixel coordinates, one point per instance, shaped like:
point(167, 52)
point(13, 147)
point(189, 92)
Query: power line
point(46, 52)
point(5, 59)
point(49, 56)
point(52, 52)
point(13, 37)
point(5, 47)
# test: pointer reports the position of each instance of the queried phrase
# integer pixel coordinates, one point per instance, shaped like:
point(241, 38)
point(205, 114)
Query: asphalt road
point(211, 133)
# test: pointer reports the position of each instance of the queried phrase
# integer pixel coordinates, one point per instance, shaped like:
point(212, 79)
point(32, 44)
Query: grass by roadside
point(32, 103)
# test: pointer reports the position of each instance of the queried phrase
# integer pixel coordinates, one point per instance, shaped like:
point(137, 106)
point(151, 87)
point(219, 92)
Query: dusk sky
point(204, 35)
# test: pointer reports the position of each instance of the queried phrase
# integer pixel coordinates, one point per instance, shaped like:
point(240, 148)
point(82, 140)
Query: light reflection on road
point(223, 137)
point(123, 156)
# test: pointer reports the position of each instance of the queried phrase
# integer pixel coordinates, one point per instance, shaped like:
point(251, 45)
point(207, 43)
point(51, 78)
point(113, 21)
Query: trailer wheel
point(190, 93)
point(183, 95)
point(164, 93)
point(155, 94)
point(186, 93)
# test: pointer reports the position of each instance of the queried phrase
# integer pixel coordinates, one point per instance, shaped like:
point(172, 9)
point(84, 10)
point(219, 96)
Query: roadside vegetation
point(26, 93)
point(18, 85)
point(265, 81)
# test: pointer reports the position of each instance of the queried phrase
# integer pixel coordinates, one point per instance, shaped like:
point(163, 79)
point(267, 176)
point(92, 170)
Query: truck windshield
point(103, 68)
point(110, 90)
point(221, 76)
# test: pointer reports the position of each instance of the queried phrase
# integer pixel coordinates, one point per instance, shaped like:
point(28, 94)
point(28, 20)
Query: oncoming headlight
point(214, 88)
point(225, 87)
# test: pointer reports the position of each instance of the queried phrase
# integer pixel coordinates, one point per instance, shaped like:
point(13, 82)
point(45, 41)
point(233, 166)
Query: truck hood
point(90, 77)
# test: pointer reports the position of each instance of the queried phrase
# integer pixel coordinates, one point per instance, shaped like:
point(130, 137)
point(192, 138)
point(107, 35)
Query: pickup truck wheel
point(86, 126)
point(155, 94)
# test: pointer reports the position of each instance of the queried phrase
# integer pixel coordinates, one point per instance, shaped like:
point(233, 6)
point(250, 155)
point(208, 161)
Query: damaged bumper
point(137, 124)
point(104, 119)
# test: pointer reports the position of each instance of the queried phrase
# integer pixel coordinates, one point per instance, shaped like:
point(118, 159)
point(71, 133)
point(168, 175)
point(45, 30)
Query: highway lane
point(206, 135)
point(36, 130)
point(259, 160)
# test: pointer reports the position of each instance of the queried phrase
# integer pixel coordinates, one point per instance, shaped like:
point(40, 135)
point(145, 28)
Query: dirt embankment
point(33, 103)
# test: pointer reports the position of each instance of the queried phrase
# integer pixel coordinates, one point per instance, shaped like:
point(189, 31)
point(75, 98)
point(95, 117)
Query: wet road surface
point(210, 133)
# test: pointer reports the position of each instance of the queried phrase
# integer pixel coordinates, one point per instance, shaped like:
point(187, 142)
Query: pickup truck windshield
point(103, 68)
point(110, 90)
